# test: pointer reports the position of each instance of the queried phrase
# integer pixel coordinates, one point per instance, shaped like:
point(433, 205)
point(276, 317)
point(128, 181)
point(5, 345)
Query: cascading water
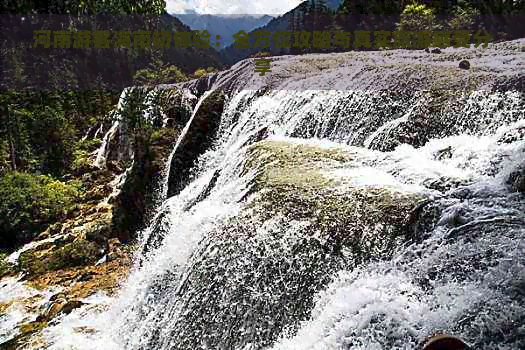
point(223, 277)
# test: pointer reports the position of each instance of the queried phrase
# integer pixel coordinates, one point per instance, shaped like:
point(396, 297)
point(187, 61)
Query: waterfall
point(116, 116)
point(224, 273)
point(164, 188)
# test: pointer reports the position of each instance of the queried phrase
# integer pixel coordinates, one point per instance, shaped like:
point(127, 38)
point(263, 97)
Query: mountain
point(239, 7)
point(309, 16)
point(224, 25)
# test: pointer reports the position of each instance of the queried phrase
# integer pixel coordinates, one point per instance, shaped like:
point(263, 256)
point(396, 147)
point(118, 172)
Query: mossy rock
point(263, 267)
point(36, 262)
point(99, 230)
point(6, 268)
point(291, 181)
point(432, 118)
point(26, 330)
point(198, 138)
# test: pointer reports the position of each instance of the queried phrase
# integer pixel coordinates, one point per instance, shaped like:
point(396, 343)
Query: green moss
point(288, 164)
point(88, 145)
point(290, 181)
point(77, 253)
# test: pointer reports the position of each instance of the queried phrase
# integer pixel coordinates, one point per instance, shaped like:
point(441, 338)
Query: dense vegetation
point(42, 143)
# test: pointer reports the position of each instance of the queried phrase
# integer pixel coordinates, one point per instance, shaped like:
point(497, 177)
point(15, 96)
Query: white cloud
point(231, 6)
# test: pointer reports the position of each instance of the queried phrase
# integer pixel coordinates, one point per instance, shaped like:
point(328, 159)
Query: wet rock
point(444, 342)
point(57, 306)
point(136, 195)
point(6, 268)
point(436, 50)
point(464, 64)
point(260, 135)
point(51, 231)
point(60, 241)
point(177, 112)
point(113, 245)
point(97, 237)
point(516, 180)
point(114, 249)
point(70, 306)
point(512, 135)
point(429, 119)
point(205, 192)
point(19, 341)
point(445, 153)
point(85, 276)
point(196, 141)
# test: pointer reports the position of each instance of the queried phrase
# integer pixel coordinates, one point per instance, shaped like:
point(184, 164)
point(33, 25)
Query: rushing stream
point(207, 284)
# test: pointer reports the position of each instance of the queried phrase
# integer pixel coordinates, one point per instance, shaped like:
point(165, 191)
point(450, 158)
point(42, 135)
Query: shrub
point(159, 75)
point(464, 17)
point(416, 17)
point(28, 203)
point(200, 73)
point(82, 162)
point(88, 145)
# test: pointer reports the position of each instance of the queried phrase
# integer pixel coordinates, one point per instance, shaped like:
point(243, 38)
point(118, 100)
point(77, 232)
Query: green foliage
point(88, 145)
point(39, 129)
point(134, 106)
point(200, 73)
point(159, 75)
point(416, 17)
point(82, 161)
point(28, 203)
point(464, 16)
point(54, 135)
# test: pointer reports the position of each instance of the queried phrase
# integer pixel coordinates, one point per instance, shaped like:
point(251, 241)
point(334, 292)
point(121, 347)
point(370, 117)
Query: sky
point(271, 7)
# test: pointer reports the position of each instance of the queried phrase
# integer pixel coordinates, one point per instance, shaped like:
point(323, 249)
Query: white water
point(374, 305)
point(465, 275)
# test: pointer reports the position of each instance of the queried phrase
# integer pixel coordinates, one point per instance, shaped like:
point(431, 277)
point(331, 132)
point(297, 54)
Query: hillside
point(224, 25)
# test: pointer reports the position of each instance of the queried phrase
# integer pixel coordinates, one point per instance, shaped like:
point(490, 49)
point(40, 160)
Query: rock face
point(195, 141)
point(516, 180)
point(133, 205)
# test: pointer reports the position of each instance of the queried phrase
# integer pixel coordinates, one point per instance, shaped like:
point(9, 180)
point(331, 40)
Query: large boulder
point(256, 276)
point(197, 139)
point(134, 204)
